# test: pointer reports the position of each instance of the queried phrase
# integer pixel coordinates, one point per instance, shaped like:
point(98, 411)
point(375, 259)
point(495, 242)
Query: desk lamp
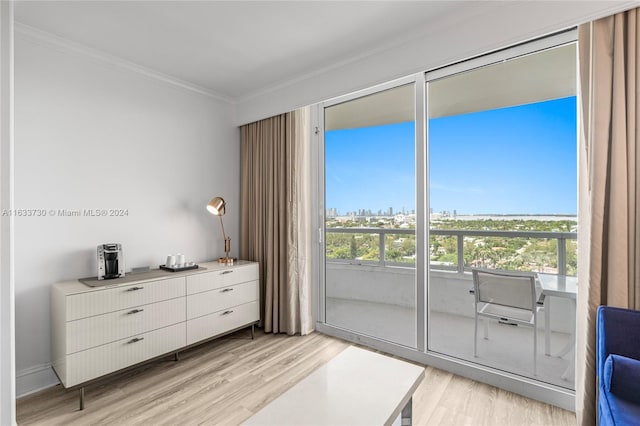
point(217, 206)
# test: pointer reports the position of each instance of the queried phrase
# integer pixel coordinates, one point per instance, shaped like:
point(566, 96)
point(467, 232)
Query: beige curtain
point(274, 217)
point(300, 231)
point(609, 210)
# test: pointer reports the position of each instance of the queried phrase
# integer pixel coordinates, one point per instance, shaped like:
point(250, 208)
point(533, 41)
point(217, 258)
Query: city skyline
point(518, 160)
point(390, 211)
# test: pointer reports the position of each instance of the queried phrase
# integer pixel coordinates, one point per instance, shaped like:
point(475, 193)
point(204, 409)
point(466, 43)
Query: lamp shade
point(216, 206)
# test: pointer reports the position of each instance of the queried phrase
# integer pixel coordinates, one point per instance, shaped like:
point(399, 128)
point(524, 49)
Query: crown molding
point(51, 40)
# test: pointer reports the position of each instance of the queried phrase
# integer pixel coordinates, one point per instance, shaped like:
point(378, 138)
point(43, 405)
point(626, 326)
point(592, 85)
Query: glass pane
point(443, 252)
point(400, 248)
point(351, 246)
point(370, 244)
point(502, 196)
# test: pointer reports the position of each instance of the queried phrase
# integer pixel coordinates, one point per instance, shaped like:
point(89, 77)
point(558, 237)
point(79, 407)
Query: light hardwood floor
point(227, 380)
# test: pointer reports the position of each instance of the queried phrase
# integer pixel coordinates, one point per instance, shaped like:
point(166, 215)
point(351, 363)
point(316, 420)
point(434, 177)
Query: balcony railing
point(460, 235)
point(380, 242)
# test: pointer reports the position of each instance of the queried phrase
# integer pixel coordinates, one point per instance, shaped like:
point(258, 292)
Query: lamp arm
point(222, 225)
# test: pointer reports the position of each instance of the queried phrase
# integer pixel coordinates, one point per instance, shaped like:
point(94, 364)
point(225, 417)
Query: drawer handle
point(226, 272)
point(227, 312)
point(226, 290)
point(135, 311)
point(135, 288)
point(136, 339)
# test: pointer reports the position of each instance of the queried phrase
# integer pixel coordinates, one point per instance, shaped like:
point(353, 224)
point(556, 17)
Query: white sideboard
point(100, 330)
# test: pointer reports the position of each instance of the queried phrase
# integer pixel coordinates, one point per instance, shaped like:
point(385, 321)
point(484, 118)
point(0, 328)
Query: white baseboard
point(34, 379)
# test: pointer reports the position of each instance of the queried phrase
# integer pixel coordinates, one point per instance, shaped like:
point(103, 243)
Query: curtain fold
point(300, 237)
point(272, 206)
point(609, 205)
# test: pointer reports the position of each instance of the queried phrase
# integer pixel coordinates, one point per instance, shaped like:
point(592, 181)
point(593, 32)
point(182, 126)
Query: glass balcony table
point(565, 287)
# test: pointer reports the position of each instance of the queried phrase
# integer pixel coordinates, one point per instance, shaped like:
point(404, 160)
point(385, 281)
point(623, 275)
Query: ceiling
point(538, 77)
point(234, 49)
point(541, 76)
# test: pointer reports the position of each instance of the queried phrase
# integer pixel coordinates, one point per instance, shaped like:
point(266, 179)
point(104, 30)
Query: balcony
point(376, 296)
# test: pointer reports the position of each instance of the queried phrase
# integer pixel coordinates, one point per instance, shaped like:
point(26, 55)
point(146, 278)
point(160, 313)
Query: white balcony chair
point(506, 296)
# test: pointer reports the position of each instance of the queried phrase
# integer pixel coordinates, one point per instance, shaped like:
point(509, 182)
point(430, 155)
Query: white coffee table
point(357, 387)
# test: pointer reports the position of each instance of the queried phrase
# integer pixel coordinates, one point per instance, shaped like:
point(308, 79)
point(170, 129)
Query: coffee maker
point(110, 261)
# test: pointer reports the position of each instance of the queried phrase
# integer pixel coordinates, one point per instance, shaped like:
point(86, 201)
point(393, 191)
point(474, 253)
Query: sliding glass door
point(370, 215)
point(502, 195)
point(427, 180)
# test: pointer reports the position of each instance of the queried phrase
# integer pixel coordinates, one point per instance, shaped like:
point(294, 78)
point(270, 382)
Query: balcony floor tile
point(509, 348)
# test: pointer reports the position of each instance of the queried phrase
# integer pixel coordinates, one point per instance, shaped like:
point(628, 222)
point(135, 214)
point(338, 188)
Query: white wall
point(92, 135)
point(7, 335)
point(472, 32)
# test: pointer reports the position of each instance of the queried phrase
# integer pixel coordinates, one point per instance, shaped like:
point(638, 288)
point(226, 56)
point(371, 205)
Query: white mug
point(171, 260)
point(180, 259)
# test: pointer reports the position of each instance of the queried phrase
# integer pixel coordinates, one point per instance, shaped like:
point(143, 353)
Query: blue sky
point(370, 168)
point(517, 160)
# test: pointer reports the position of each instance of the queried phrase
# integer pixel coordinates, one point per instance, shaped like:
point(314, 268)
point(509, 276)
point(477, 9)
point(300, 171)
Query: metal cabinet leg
point(407, 413)
point(82, 398)
point(176, 357)
point(252, 325)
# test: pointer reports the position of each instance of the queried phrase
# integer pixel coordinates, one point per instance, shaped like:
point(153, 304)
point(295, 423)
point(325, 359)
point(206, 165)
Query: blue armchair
point(618, 363)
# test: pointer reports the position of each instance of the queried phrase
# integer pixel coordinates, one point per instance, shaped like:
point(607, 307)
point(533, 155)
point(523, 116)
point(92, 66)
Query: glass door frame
point(551, 394)
point(470, 65)
point(420, 152)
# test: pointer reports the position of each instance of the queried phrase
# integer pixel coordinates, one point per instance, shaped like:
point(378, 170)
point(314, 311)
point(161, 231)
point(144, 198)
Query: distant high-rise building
point(332, 212)
point(390, 211)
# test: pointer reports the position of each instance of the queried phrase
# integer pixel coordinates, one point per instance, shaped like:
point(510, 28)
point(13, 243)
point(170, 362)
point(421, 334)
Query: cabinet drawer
point(114, 299)
point(219, 322)
point(86, 333)
point(224, 278)
point(95, 362)
point(222, 298)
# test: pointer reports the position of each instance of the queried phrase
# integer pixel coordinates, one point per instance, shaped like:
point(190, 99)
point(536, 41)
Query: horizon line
point(478, 214)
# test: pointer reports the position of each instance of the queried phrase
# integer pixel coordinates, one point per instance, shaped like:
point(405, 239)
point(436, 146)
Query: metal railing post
point(460, 240)
point(562, 255)
point(381, 247)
